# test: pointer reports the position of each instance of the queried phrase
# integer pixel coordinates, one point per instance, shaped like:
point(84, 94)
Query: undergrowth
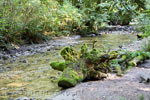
point(32, 21)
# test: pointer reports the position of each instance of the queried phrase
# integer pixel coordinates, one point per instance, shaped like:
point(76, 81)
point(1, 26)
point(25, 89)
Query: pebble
point(2, 69)
point(92, 35)
point(11, 51)
point(53, 77)
point(9, 93)
point(8, 68)
point(59, 73)
point(24, 61)
point(5, 57)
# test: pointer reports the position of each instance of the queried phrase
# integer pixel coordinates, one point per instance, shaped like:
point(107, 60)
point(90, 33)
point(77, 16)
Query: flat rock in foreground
point(128, 87)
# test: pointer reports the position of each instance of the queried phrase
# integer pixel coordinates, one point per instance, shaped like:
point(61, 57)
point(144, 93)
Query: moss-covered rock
point(70, 77)
point(94, 64)
point(60, 66)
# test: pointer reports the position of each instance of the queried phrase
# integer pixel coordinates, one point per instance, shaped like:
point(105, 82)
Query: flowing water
point(31, 76)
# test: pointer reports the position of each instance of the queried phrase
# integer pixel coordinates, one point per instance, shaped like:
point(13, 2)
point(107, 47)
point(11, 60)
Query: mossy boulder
point(71, 76)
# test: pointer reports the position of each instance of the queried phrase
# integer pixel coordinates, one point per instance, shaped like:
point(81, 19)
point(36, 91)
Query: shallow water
point(31, 76)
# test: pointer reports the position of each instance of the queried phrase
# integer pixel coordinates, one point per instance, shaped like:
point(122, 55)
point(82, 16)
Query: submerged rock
point(24, 61)
point(5, 57)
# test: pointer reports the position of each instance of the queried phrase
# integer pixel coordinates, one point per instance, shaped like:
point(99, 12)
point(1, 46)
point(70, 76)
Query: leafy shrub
point(144, 20)
point(32, 20)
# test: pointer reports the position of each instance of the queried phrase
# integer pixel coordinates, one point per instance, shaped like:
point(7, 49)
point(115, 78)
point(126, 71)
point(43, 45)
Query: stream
point(30, 75)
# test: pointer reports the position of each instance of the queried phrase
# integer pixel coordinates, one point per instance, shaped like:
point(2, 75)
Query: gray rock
point(8, 68)
point(24, 61)
point(144, 78)
point(146, 64)
point(53, 77)
point(32, 99)
point(5, 57)
point(92, 35)
point(59, 73)
point(29, 49)
point(2, 69)
point(1, 56)
point(10, 93)
point(11, 51)
point(23, 98)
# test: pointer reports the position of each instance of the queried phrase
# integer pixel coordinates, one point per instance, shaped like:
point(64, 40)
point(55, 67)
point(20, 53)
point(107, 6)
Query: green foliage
point(146, 46)
point(33, 20)
point(144, 19)
point(141, 97)
point(84, 50)
point(95, 64)
point(121, 12)
point(69, 54)
point(127, 60)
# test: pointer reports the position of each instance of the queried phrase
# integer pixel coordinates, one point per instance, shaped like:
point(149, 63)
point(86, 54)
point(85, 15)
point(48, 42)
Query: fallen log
point(94, 64)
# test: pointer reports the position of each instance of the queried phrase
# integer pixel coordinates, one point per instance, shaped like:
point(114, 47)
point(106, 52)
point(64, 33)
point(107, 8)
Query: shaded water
point(31, 76)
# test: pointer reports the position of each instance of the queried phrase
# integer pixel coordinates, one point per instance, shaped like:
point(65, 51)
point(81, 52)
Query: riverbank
point(56, 42)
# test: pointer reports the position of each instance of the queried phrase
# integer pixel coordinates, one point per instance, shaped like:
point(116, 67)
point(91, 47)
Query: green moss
point(60, 66)
point(69, 54)
point(113, 55)
point(147, 55)
point(84, 51)
point(123, 58)
point(132, 63)
point(140, 36)
point(70, 78)
point(118, 69)
point(93, 56)
point(94, 74)
point(94, 64)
